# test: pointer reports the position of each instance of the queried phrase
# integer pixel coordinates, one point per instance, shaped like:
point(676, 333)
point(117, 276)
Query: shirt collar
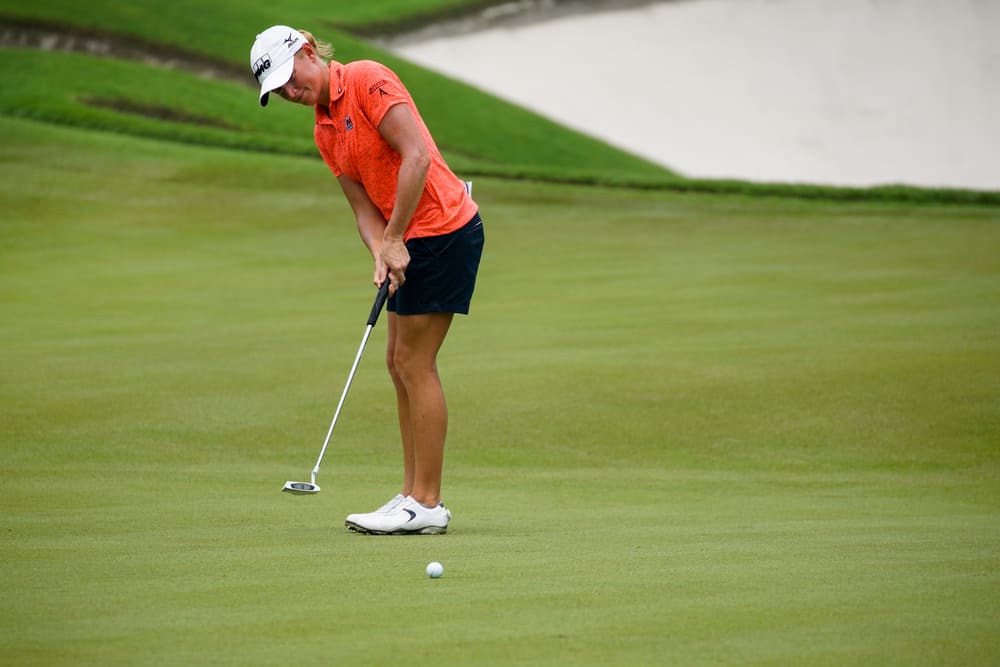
point(336, 92)
point(336, 81)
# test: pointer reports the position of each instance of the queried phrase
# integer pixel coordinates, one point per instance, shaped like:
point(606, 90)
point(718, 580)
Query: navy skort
point(442, 272)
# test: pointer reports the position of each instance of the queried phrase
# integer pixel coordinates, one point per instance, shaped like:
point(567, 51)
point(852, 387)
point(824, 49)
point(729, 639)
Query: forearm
point(409, 188)
point(371, 223)
point(372, 228)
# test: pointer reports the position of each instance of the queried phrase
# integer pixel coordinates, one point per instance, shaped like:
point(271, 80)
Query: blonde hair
point(323, 49)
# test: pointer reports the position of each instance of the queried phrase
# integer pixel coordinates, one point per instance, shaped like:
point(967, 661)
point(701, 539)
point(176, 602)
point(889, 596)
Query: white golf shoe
point(406, 517)
point(390, 504)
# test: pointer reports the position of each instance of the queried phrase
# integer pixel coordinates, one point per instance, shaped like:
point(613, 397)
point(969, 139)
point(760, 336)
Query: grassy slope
point(221, 28)
point(727, 431)
point(479, 134)
point(54, 87)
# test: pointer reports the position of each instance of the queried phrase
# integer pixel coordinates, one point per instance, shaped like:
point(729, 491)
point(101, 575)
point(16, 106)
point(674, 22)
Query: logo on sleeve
point(378, 87)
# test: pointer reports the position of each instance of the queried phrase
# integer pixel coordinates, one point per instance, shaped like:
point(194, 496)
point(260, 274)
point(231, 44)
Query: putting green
point(684, 429)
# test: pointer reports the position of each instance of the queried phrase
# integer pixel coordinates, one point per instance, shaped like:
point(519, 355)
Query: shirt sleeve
point(382, 91)
point(325, 151)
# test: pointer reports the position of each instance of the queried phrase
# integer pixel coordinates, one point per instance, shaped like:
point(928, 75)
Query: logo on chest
point(348, 123)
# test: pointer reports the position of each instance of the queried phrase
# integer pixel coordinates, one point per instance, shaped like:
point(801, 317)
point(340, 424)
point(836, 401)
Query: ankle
point(427, 501)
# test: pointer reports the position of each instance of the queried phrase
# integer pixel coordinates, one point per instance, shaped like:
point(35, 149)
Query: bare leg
point(402, 408)
point(414, 341)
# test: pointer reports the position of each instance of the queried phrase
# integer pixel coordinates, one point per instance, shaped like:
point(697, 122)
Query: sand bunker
point(851, 92)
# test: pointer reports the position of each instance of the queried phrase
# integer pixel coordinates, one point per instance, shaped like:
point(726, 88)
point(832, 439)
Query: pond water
point(851, 92)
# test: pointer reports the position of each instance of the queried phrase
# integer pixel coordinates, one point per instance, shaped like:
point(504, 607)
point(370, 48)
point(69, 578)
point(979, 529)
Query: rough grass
point(685, 429)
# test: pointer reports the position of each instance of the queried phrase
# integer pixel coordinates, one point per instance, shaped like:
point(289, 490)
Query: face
point(308, 81)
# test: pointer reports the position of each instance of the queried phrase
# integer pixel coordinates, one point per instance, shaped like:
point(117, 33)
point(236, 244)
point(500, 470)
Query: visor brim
point(276, 78)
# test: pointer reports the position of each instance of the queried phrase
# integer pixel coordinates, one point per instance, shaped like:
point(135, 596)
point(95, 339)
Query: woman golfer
point(421, 226)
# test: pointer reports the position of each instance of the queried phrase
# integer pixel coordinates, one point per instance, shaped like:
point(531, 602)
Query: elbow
point(420, 160)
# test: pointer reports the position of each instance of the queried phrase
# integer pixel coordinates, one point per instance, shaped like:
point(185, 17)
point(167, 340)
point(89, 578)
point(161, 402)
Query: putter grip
point(383, 294)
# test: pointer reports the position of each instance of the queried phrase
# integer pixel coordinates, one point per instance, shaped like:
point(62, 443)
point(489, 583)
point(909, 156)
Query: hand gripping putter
point(306, 488)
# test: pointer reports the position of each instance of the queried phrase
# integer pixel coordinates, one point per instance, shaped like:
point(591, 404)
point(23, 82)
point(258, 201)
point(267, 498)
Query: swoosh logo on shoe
point(413, 515)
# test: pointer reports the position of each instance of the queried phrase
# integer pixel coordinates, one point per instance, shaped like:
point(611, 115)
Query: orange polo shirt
point(348, 139)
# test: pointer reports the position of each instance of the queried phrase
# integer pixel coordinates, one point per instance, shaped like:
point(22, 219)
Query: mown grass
point(685, 429)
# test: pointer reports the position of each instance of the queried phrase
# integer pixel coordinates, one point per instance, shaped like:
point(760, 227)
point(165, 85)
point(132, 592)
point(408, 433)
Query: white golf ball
point(435, 570)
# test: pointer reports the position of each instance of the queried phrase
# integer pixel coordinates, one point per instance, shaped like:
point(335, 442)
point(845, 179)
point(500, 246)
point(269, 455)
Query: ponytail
point(323, 49)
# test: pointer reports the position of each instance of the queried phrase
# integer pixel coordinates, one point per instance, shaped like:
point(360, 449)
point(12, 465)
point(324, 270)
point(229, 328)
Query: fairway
point(685, 429)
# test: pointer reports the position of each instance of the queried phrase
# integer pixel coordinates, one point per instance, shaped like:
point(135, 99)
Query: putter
point(307, 488)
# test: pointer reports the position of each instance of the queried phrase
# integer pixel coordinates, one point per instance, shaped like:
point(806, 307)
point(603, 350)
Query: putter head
point(300, 488)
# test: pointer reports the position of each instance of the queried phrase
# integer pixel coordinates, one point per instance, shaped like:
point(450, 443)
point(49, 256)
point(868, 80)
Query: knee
point(398, 363)
point(407, 367)
point(390, 363)
point(401, 364)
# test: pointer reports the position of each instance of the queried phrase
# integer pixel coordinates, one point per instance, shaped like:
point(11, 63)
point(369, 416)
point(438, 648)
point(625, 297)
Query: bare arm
point(371, 224)
point(400, 129)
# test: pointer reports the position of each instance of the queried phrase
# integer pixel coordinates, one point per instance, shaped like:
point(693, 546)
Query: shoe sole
point(428, 530)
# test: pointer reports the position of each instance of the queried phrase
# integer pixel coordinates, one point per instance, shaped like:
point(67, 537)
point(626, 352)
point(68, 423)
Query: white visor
point(272, 57)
